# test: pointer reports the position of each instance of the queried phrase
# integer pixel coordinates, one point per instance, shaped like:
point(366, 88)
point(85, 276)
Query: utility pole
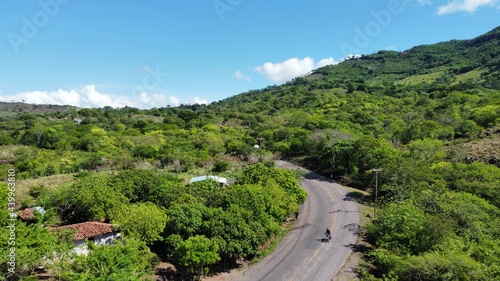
point(376, 191)
point(260, 147)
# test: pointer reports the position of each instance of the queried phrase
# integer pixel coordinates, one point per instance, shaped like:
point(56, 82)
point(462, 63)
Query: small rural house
point(100, 233)
point(28, 214)
point(222, 181)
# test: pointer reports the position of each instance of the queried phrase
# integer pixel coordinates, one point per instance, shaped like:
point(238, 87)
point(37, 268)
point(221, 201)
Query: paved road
point(304, 254)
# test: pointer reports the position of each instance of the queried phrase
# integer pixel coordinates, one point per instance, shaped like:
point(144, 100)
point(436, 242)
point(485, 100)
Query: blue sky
point(156, 53)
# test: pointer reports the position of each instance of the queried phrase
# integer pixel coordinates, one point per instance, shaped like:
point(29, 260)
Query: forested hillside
point(429, 117)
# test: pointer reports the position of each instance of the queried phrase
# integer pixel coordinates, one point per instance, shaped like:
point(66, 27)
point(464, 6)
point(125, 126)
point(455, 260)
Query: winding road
point(304, 254)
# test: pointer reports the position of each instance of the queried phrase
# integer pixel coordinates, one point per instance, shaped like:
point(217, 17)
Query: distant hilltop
point(20, 107)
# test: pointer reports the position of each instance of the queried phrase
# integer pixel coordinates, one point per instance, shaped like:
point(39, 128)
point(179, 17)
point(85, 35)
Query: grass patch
point(364, 202)
point(50, 182)
point(7, 113)
point(272, 244)
point(474, 75)
point(7, 152)
point(420, 79)
point(23, 187)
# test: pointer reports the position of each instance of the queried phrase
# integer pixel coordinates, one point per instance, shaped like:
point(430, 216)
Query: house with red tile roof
point(28, 214)
point(98, 232)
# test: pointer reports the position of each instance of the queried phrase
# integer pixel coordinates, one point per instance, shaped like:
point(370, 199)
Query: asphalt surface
point(305, 254)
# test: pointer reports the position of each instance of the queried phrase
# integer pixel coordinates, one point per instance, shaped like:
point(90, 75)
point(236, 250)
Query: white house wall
point(80, 246)
point(106, 239)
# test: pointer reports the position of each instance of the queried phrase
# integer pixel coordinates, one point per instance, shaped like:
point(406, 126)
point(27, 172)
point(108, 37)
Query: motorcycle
point(328, 235)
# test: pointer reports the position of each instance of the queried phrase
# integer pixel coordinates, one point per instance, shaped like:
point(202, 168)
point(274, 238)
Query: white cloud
point(291, 68)
point(465, 6)
point(90, 97)
point(173, 101)
point(325, 62)
point(349, 57)
point(238, 75)
point(197, 100)
point(284, 71)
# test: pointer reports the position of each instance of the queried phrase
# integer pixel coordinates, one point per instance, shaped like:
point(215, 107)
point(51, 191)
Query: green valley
point(429, 117)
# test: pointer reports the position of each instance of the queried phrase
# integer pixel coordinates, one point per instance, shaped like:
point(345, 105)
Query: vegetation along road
point(304, 254)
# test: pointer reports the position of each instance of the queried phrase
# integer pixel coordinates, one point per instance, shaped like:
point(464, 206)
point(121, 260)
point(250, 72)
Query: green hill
point(444, 91)
point(454, 65)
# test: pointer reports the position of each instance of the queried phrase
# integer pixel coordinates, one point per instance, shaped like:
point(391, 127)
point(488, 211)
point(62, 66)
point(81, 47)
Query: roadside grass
point(272, 244)
point(365, 205)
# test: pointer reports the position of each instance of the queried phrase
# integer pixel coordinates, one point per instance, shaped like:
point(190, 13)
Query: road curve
point(304, 254)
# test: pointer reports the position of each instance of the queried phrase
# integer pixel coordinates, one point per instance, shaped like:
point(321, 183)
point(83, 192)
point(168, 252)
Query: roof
point(215, 178)
point(86, 229)
point(27, 214)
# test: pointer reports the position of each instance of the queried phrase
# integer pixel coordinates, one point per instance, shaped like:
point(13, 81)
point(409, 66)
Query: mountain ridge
point(430, 57)
point(368, 65)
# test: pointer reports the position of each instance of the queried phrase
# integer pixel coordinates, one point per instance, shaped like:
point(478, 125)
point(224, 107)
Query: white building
point(222, 181)
point(100, 233)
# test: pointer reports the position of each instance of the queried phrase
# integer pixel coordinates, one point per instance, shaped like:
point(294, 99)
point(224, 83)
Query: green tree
point(197, 253)
point(144, 221)
point(130, 260)
point(185, 219)
point(371, 153)
point(221, 166)
point(404, 229)
point(241, 235)
point(143, 185)
point(261, 174)
point(437, 266)
point(475, 219)
point(92, 198)
point(427, 150)
point(487, 116)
